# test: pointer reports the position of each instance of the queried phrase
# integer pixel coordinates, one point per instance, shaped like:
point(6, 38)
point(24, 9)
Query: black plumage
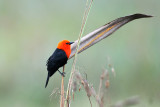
point(55, 61)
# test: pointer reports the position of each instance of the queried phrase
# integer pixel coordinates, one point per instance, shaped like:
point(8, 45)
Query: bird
point(58, 59)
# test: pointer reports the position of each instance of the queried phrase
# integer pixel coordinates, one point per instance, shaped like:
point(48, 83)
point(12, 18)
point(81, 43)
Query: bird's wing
point(58, 58)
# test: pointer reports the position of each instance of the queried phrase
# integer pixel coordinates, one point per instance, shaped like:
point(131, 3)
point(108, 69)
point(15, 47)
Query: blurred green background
point(31, 29)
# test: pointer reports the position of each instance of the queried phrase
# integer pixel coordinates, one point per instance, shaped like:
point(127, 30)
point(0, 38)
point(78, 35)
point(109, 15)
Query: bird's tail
point(47, 80)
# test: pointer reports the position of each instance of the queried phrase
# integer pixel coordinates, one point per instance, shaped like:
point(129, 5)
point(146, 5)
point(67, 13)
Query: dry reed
point(87, 41)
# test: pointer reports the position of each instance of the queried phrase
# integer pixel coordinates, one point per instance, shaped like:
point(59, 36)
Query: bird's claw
point(63, 74)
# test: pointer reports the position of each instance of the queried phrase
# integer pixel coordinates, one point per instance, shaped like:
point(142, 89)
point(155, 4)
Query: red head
point(65, 45)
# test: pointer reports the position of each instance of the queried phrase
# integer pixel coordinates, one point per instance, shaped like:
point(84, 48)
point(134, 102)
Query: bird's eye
point(67, 43)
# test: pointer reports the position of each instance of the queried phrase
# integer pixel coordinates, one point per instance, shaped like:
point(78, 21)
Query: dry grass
point(128, 102)
point(87, 41)
point(62, 91)
point(88, 6)
point(103, 89)
point(90, 90)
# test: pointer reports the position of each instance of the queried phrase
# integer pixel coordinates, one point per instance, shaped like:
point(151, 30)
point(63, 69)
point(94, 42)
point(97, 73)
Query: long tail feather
point(47, 80)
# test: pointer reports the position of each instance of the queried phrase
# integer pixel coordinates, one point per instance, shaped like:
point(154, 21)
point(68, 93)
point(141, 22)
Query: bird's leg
point(62, 73)
point(63, 68)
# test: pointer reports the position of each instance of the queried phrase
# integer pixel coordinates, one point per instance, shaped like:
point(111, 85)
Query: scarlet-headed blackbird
point(58, 58)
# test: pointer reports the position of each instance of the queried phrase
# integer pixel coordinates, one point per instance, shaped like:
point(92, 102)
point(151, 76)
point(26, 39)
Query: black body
point(55, 61)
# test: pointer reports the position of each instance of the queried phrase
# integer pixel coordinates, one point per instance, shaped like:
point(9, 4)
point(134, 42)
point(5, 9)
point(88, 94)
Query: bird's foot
point(63, 74)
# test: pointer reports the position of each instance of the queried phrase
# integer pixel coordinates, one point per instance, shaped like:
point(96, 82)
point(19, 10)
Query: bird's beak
point(70, 43)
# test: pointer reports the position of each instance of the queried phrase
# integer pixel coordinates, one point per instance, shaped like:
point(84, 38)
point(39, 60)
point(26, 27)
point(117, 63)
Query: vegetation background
point(31, 29)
